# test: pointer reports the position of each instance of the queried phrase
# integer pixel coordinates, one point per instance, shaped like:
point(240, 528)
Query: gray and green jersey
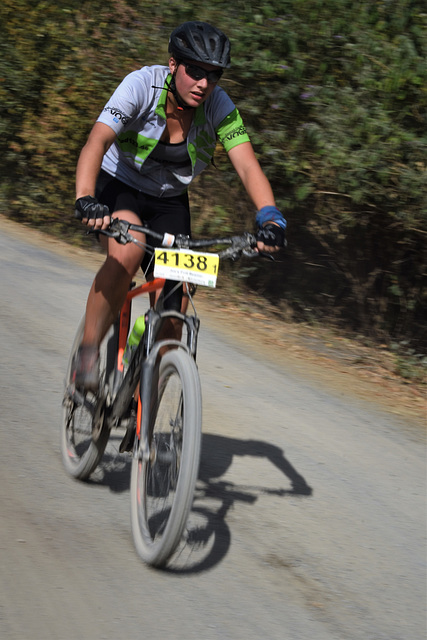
point(137, 114)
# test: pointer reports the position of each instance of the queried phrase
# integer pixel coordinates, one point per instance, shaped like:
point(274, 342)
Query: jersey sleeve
point(126, 103)
point(231, 131)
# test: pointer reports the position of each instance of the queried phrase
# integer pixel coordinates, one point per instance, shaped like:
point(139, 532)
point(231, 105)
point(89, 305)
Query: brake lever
point(250, 253)
point(118, 230)
point(265, 254)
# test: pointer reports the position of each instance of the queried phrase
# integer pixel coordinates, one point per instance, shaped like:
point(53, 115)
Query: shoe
point(86, 368)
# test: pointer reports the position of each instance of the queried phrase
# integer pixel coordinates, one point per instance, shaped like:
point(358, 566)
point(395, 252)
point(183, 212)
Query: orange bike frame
point(124, 326)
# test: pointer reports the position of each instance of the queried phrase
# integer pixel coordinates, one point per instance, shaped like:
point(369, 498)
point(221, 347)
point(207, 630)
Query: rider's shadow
point(207, 537)
point(218, 453)
point(212, 539)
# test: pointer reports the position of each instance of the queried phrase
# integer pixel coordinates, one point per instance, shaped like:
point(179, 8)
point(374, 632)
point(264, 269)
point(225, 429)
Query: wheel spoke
point(83, 433)
point(162, 487)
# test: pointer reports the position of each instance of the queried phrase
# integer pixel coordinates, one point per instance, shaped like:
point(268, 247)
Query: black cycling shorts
point(163, 215)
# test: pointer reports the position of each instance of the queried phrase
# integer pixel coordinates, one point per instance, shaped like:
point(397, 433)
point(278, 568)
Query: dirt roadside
point(348, 367)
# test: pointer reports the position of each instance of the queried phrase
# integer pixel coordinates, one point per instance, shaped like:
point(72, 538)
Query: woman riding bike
point(157, 132)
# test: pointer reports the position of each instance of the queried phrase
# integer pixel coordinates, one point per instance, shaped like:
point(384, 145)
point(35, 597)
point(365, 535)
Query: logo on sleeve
point(118, 116)
point(235, 133)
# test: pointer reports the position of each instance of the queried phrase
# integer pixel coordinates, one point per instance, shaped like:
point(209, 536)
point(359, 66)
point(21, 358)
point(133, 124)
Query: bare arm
point(89, 164)
point(252, 176)
point(254, 180)
point(100, 139)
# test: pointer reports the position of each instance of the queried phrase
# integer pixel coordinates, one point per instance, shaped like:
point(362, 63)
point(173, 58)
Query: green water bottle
point(134, 339)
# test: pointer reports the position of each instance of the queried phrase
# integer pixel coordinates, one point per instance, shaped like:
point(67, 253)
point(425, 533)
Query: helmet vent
point(201, 42)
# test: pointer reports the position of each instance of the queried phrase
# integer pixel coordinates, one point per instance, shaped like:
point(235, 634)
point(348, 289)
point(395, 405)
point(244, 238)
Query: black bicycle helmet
point(201, 42)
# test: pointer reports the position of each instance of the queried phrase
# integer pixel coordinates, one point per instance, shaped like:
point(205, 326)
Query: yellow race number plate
point(185, 265)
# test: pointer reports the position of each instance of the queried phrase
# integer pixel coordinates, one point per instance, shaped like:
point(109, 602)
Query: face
point(193, 92)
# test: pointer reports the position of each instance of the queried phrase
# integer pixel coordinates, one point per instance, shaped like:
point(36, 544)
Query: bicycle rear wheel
point(162, 487)
point(84, 435)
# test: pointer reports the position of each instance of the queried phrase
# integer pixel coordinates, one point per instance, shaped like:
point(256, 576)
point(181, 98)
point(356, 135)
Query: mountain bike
point(154, 394)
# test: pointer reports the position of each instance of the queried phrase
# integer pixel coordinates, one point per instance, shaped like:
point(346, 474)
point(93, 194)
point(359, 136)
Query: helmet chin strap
point(182, 106)
point(171, 86)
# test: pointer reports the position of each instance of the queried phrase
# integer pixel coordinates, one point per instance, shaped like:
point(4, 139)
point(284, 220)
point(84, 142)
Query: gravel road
point(310, 507)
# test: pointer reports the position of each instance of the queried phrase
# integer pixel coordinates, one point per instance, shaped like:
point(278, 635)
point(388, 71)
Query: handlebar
point(236, 245)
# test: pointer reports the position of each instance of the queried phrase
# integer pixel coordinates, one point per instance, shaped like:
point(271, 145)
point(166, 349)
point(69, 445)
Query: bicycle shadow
point(207, 539)
point(208, 534)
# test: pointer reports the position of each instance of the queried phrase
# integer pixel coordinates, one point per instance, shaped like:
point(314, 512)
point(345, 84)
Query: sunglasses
point(197, 73)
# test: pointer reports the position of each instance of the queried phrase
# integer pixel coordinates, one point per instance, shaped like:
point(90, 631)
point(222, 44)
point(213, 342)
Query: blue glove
point(270, 214)
point(270, 234)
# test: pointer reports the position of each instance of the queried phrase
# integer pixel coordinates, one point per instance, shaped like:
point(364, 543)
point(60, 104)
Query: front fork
point(150, 368)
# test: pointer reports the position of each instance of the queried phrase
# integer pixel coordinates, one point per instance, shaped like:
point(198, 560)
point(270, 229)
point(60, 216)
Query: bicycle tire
point(81, 451)
point(162, 488)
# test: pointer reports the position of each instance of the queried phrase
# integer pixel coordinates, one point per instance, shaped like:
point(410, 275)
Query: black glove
point(271, 235)
point(89, 207)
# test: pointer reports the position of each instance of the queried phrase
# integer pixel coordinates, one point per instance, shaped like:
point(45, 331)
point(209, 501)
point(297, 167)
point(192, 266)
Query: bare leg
point(111, 284)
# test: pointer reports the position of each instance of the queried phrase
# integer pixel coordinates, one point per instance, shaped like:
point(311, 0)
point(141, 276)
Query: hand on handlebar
point(92, 213)
point(236, 246)
point(270, 238)
point(271, 232)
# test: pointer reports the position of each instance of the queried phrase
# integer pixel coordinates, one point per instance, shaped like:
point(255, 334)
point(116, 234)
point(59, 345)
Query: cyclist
point(156, 133)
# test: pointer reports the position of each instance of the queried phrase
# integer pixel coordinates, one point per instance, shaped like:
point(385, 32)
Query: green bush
point(334, 95)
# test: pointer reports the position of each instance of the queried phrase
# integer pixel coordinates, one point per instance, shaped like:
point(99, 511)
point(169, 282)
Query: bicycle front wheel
point(162, 487)
point(84, 435)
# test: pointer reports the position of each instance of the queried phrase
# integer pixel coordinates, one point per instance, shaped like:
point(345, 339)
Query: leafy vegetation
point(334, 95)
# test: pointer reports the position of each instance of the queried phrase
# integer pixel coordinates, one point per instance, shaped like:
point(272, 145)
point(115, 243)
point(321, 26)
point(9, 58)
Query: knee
point(126, 258)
